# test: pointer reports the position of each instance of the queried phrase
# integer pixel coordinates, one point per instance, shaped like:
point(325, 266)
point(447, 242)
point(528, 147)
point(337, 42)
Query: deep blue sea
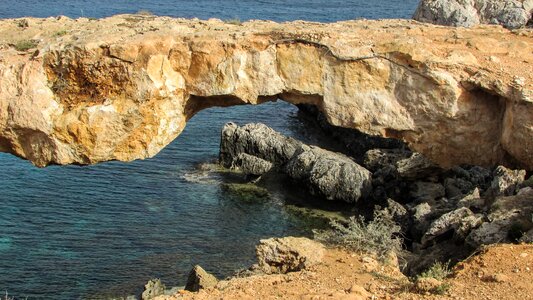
point(100, 231)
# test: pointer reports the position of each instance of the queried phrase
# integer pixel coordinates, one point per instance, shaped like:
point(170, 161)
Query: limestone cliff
point(85, 91)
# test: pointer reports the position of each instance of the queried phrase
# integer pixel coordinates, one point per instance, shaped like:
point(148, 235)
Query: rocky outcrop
point(467, 13)
point(152, 289)
point(331, 175)
point(121, 88)
point(255, 149)
point(288, 254)
point(199, 279)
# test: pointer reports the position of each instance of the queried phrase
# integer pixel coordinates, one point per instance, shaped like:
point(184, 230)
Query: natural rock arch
point(123, 88)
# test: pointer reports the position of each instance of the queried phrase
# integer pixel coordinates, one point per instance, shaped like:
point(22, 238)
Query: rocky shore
point(444, 213)
point(444, 216)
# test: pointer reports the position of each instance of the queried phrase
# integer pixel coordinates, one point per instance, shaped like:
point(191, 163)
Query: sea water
point(101, 231)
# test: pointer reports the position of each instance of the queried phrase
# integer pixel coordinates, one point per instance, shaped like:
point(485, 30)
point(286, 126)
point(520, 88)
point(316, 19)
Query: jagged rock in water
point(105, 91)
point(505, 182)
point(255, 139)
point(152, 289)
point(509, 218)
point(467, 13)
point(288, 254)
point(251, 165)
point(328, 174)
point(199, 279)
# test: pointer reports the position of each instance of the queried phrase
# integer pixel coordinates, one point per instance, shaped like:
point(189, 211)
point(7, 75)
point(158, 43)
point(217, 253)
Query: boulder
point(461, 221)
point(508, 13)
point(510, 217)
point(376, 159)
point(257, 140)
point(329, 174)
point(416, 166)
point(288, 254)
point(422, 191)
point(505, 182)
point(472, 200)
point(199, 279)
point(152, 289)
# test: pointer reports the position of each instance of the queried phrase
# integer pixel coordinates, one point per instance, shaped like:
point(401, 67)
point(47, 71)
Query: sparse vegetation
point(60, 33)
point(442, 289)
point(234, 21)
point(25, 45)
point(23, 23)
point(379, 236)
point(438, 271)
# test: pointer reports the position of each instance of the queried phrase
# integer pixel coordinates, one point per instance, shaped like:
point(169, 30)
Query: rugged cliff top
point(121, 88)
point(505, 54)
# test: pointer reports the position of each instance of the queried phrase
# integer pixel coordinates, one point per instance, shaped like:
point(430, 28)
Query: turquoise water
point(91, 232)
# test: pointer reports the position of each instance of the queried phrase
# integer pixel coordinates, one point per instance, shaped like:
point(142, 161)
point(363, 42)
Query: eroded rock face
point(199, 279)
point(467, 13)
point(288, 254)
point(122, 88)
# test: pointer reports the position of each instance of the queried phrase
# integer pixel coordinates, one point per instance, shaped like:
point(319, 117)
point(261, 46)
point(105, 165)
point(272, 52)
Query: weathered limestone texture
point(123, 87)
point(508, 13)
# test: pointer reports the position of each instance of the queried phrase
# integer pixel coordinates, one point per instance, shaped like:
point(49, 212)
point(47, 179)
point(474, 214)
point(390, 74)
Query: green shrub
point(25, 45)
point(379, 236)
point(60, 33)
point(438, 271)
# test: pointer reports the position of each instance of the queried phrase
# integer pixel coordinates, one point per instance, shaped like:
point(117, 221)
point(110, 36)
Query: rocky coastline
point(432, 127)
point(445, 215)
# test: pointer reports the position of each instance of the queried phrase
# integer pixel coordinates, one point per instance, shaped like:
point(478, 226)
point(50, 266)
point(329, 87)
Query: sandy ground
point(498, 272)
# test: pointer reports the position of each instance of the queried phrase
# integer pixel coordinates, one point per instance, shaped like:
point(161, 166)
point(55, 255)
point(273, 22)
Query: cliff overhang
point(122, 88)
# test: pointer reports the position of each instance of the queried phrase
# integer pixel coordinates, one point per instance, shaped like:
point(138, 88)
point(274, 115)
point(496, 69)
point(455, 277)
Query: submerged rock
point(200, 279)
point(508, 13)
point(328, 174)
point(251, 165)
point(288, 254)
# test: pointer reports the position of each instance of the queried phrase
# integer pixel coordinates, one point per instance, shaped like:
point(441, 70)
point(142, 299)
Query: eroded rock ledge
point(122, 88)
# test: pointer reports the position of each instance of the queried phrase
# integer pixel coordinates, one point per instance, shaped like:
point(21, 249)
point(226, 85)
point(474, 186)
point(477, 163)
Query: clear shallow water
point(89, 232)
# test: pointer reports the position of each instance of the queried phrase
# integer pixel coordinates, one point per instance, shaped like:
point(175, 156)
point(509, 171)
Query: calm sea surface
point(92, 232)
